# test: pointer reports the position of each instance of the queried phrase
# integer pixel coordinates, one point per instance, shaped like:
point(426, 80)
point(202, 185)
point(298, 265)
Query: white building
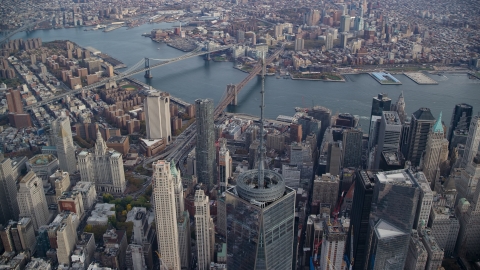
point(425, 201)
point(102, 167)
point(473, 141)
point(8, 191)
point(468, 181)
point(224, 165)
point(333, 246)
point(165, 214)
point(89, 194)
point(31, 200)
point(64, 142)
point(157, 113)
point(202, 229)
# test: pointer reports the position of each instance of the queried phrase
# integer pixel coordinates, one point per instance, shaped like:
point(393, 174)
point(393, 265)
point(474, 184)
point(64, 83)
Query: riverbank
point(324, 77)
point(420, 78)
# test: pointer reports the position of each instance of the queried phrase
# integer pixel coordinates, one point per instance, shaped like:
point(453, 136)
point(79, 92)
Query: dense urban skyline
point(100, 170)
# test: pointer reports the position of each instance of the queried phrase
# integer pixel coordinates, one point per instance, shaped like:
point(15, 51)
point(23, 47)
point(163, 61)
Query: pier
point(420, 78)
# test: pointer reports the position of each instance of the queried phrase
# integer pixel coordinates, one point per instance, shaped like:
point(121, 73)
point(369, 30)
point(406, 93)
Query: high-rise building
point(31, 200)
point(425, 201)
point(388, 135)
point(261, 217)
point(299, 44)
point(380, 103)
point(165, 214)
point(14, 101)
point(329, 41)
point(8, 191)
point(421, 123)
point(343, 39)
point(358, 23)
point(399, 107)
point(333, 245)
point(157, 113)
point(224, 165)
point(436, 152)
point(102, 167)
point(473, 140)
point(325, 189)
point(312, 17)
point(203, 230)
point(345, 23)
point(435, 253)
point(445, 227)
point(64, 143)
point(417, 254)
point(467, 183)
point(468, 213)
point(394, 208)
point(362, 202)
point(461, 117)
point(205, 148)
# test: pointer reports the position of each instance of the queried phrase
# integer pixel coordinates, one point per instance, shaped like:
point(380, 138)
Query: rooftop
point(117, 139)
point(424, 114)
point(42, 159)
point(402, 177)
point(384, 229)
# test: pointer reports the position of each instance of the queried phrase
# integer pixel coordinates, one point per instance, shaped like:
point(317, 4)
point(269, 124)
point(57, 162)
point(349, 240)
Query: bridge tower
point(147, 75)
point(232, 90)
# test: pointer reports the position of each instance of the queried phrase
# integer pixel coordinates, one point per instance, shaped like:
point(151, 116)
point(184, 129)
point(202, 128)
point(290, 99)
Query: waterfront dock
point(385, 78)
point(420, 78)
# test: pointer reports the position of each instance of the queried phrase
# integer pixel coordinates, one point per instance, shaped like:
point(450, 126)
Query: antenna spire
point(261, 147)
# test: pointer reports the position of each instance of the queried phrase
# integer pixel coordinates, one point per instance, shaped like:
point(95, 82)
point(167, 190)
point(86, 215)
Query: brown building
point(133, 126)
point(152, 147)
point(82, 72)
point(176, 124)
point(20, 120)
point(115, 249)
point(109, 132)
point(87, 130)
point(91, 79)
point(119, 143)
point(295, 133)
point(14, 101)
point(190, 110)
point(109, 71)
point(73, 81)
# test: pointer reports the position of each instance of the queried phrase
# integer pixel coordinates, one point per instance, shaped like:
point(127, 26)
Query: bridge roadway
point(229, 97)
point(135, 69)
point(18, 30)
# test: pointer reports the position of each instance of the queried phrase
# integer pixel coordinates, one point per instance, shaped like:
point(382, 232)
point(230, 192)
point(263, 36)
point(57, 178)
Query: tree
point(129, 207)
point(107, 197)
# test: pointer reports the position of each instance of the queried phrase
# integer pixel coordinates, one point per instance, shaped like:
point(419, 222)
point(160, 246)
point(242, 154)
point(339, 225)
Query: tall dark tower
point(460, 122)
point(420, 126)
point(205, 148)
point(362, 202)
point(380, 103)
point(261, 216)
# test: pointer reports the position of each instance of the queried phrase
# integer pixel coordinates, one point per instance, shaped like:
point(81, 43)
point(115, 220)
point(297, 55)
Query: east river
point(196, 78)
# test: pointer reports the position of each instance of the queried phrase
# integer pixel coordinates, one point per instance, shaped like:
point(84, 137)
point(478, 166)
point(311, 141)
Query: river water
point(195, 78)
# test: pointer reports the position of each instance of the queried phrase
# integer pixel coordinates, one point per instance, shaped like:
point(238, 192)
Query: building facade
point(203, 230)
point(8, 191)
point(165, 214)
point(31, 200)
point(64, 142)
point(473, 140)
point(421, 123)
point(157, 112)
point(436, 152)
point(205, 147)
point(102, 167)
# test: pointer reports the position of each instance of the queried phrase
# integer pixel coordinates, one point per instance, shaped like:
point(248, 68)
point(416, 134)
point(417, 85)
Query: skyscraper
point(31, 200)
point(8, 191)
point(468, 213)
point(461, 117)
point(261, 216)
point(473, 140)
point(102, 167)
point(345, 23)
point(468, 182)
point(329, 41)
point(165, 214)
point(394, 207)
point(157, 113)
point(380, 103)
point(399, 107)
point(388, 135)
point(435, 153)
point(425, 200)
point(224, 165)
point(352, 148)
point(14, 101)
point(205, 148)
point(420, 126)
point(64, 143)
point(203, 230)
point(183, 218)
point(362, 203)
